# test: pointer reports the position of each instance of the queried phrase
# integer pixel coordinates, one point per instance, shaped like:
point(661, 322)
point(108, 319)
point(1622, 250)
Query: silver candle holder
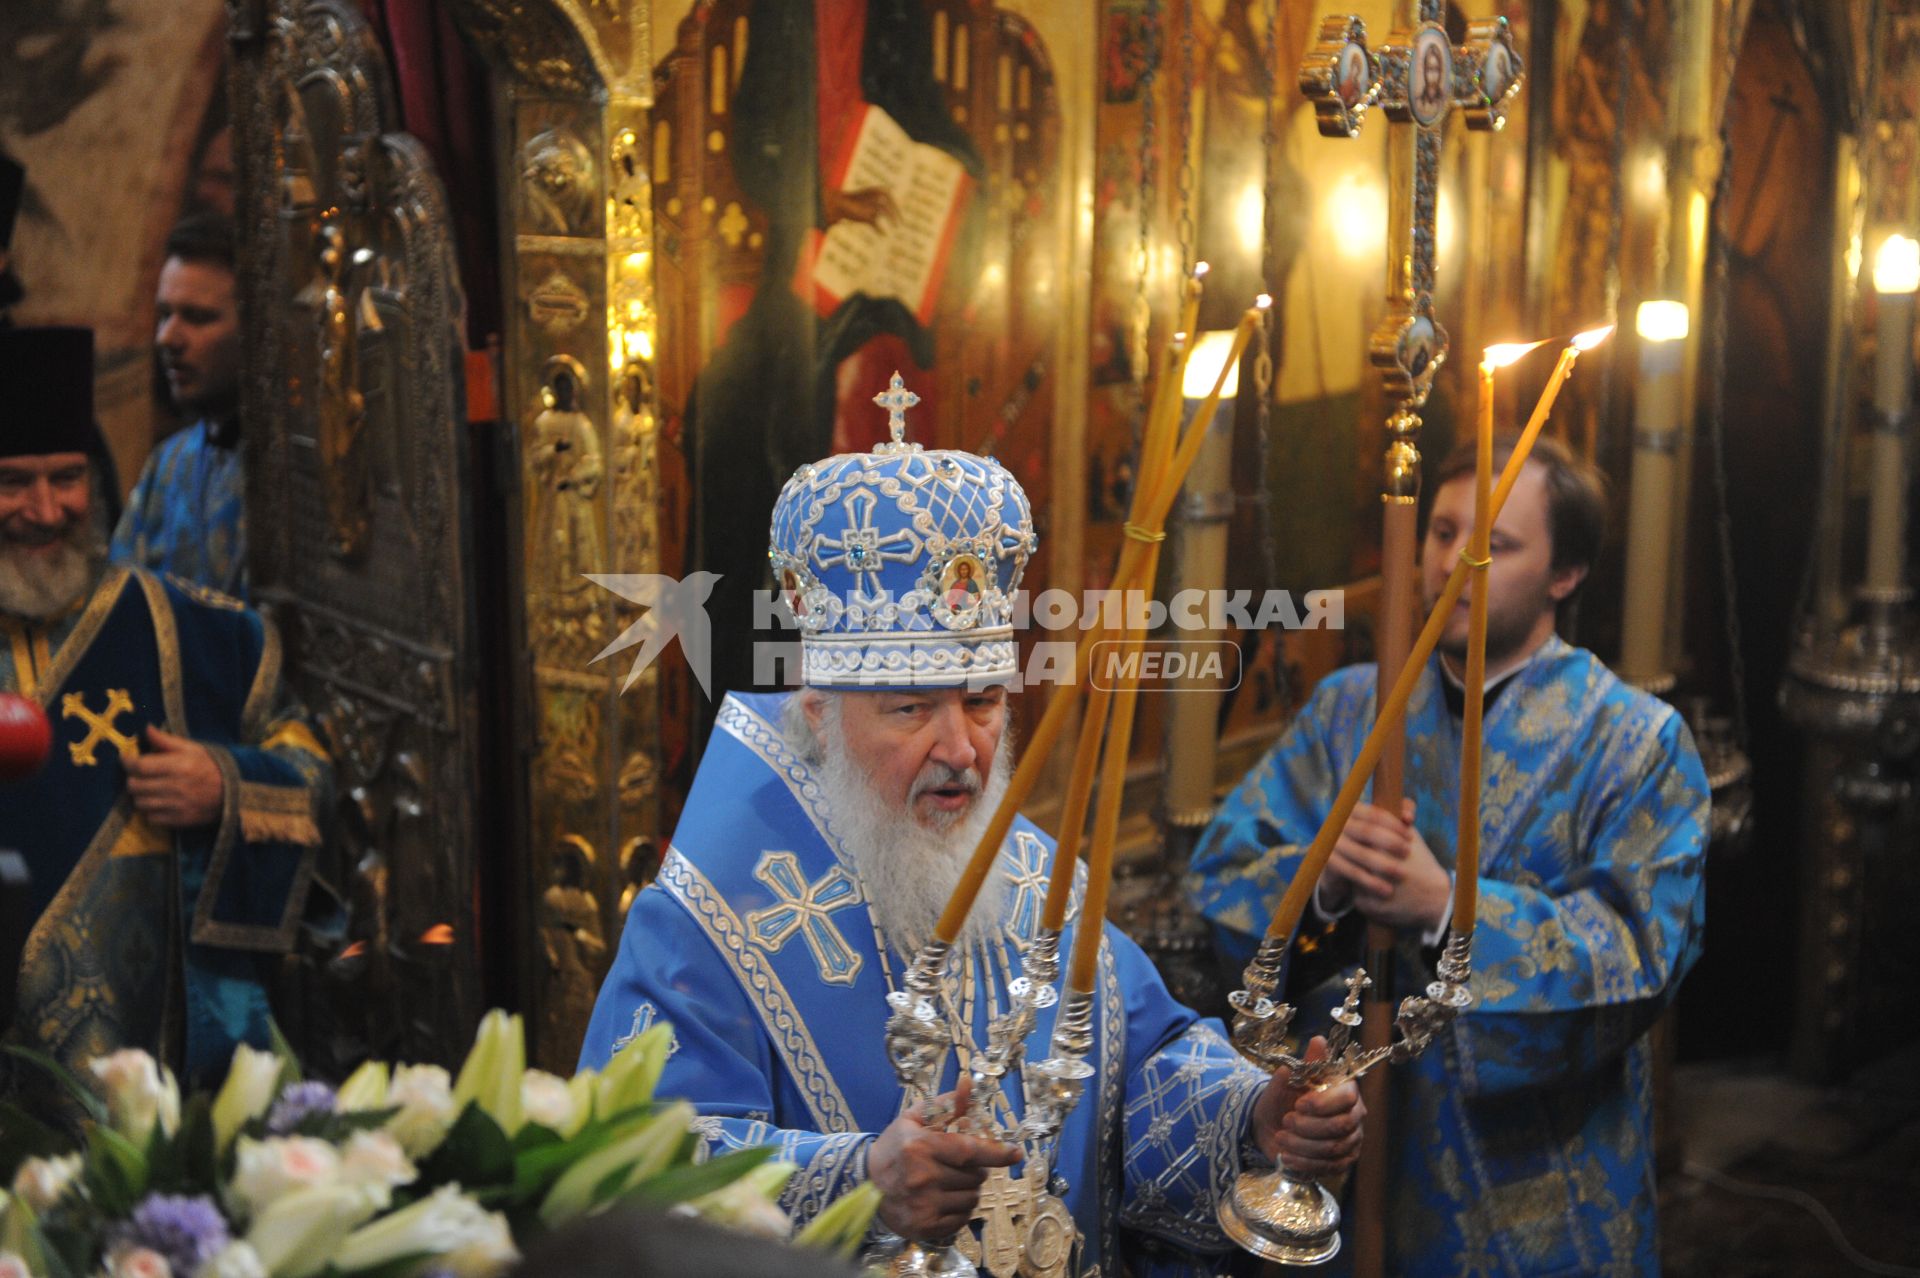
point(1296, 1220)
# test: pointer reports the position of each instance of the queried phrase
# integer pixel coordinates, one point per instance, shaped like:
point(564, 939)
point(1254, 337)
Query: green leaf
point(23, 1136)
point(185, 1162)
point(535, 1169)
point(843, 1223)
point(678, 1184)
point(398, 1267)
point(88, 1099)
point(476, 1153)
point(116, 1170)
point(289, 1060)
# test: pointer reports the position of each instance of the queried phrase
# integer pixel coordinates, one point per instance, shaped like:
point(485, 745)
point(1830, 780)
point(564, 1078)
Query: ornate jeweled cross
point(1417, 78)
point(862, 546)
point(804, 907)
point(896, 399)
point(99, 726)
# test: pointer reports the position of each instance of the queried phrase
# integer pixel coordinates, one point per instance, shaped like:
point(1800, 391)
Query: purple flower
point(187, 1231)
point(297, 1102)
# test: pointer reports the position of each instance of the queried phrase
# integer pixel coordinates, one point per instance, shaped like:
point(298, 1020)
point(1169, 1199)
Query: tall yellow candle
point(1293, 904)
point(1466, 869)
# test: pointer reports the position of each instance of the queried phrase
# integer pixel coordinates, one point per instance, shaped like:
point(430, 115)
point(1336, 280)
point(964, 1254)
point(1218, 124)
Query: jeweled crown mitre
point(901, 563)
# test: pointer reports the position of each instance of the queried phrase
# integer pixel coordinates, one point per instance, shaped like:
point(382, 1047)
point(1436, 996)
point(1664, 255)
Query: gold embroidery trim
point(266, 678)
point(24, 666)
point(166, 637)
point(54, 672)
point(297, 735)
point(243, 936)
point(277, 813)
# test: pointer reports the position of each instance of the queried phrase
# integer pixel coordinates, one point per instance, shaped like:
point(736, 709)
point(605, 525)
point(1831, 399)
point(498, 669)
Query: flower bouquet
point(400, 1171)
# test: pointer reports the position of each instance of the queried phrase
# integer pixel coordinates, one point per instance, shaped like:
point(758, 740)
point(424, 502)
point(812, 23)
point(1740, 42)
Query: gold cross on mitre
point(896, 399)
point(99, 726)
point(1417, 78)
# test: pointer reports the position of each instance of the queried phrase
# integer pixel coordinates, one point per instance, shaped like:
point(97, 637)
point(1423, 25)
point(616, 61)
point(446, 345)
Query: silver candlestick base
point(1294, 1220)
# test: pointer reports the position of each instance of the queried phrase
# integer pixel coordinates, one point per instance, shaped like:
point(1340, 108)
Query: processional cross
point(1417, 78)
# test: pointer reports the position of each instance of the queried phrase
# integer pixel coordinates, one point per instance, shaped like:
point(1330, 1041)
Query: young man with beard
point(170, 833)
point(1521, 1140)
point(823, 834)
point(186, 515)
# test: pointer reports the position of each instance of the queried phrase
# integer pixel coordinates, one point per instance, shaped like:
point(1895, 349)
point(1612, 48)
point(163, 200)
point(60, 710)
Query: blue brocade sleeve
point(1568, 974)
point(720, 1060)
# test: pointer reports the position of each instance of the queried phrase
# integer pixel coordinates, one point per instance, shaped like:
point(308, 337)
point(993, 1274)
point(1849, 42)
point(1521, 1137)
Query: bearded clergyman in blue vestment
point(171, 833)
point(1520, 1142)
point(823, 834)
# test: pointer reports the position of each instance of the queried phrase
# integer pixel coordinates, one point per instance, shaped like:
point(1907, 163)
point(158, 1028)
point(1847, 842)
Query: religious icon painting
point(791, 591)
point(1416, 347)
point(962, 585)
point(1496, 72)
point(1430, 87)
point(1408, 349)
point(1355, 78)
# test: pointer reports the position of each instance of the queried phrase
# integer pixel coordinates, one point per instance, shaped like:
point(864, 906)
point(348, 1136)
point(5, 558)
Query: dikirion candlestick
point(1292, 905)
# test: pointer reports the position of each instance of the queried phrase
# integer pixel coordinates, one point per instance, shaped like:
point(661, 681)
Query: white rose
point(252, 1080)
point(375, 1161)
point(265, 1170)
point(138, 1262)
point(11, 1266)
point(236, 1260)
point(140, 1093)
point(40, 1182)
point(550, 1102)
point(424, 1095)
point(446, 1224)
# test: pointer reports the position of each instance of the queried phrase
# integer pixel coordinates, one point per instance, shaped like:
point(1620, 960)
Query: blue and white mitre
point(901, 564)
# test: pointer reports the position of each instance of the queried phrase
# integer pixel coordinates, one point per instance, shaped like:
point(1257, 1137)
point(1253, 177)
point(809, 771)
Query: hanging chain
point(1143, 252)
point(1184, 178)
point(1269, 330)
point(1718, 252)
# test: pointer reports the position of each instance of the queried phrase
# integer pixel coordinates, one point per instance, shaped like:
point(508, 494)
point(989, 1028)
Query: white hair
point(906, 867)
point(47, 586)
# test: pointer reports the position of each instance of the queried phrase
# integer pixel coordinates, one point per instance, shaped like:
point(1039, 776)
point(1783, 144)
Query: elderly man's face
point(43, 499)
point(929, 752)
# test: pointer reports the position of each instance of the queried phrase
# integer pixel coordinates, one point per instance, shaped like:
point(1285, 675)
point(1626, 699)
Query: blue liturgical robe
point(755, 943)
point(145, 937)
point(1521, 1139)
point(186, 514)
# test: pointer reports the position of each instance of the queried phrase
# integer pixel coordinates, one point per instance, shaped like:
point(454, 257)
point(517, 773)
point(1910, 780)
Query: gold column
point(1693, 169)
point(573, 88)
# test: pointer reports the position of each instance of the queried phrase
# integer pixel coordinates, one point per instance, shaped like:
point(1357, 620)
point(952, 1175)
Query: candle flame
point(1200, 270)
point(1263, 302)
point(1591, 338)
point(1505, 353)
point(1896, 266)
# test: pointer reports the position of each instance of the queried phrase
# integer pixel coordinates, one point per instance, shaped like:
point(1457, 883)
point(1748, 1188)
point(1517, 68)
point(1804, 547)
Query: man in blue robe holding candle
point(824, 834)
point(1521, 1140)
point(171, 832)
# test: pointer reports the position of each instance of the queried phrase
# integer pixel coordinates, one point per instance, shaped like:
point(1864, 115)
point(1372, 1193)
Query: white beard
point(907, 869)
point(40, 591)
